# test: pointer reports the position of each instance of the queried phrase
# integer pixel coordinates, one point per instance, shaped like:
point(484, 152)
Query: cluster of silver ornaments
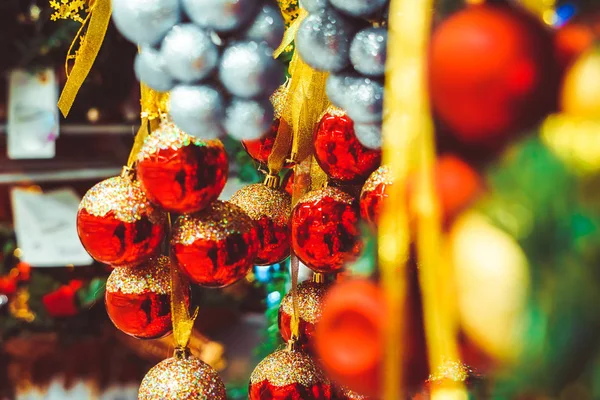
point(214, 56)
point(338, 36)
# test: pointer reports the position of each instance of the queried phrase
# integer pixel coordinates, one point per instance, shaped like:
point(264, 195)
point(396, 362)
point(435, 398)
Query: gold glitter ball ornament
point(182, 378)
point(152, 275)
point(270, 209)
point(288, 374)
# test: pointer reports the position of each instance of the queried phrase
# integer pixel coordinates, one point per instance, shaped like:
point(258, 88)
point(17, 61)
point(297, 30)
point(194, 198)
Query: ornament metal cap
point(181, 353)
point(271, 181)
point(318, 277)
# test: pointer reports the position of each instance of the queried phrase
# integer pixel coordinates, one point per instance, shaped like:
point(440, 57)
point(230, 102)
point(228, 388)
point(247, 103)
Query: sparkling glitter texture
point(338, 151)
point(216, 246)
point(310, 305)
point(270, 209)
point(325, 232)
point(181, 173)
point(288, 375)
point(342, 393)
point(182, 378)
point(138, 299)
point(117, 224)
point(373, 194)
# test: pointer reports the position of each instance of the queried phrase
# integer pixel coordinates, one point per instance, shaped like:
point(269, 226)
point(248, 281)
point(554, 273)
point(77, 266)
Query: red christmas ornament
point(325, 232)
point(117, 224)
point(270, 209)
point(310, 305)
point(8, 285)
point(338, 151)
point(492, 73)
point(179, 172)
point(138, 300)
point(457, 185)
point(62, 302)
point(349, 338)
point(288, 183)
point(374, 193)
point(288, 374)
point(216, 246)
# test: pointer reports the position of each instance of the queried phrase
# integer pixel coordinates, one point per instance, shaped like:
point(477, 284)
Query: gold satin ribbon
point(183, 322)
point(305, 102)
point(98, 18)
point(154, 106)
point(408, 140)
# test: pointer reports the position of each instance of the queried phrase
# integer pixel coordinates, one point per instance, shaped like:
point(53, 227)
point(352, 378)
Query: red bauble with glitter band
point(216, 246)
point(374, 193)
point(270, 209)
point(310, 305)
point(288, 375)
point(338, 151)
point(325, 231)
point(117, 224)
point(181, 173)
point(138, 299)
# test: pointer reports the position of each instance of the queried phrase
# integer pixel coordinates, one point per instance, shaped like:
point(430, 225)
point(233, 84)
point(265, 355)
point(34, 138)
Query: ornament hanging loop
point(128, 173)
point(181, 353)
point(292, 344)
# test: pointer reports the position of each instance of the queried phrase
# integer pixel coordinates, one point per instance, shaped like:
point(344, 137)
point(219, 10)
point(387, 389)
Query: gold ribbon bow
point(97, 21)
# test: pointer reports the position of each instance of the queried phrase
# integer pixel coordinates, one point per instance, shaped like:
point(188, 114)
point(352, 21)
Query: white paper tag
point(32, 126)
point(45, 227)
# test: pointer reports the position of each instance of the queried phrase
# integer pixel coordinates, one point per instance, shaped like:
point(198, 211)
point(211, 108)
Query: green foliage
point(536, 200)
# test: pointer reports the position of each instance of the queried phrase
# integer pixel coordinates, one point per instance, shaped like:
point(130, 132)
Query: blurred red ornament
point(62, 302)
point(179, 172)
point(117, 224)
point(325, 231)
point(342, 393)
point(575, 37)
point(349, 338)
point(216, 246)
point(338, 151)
point(310, 305)
point(8, 285)
point(288, 375)
point(270, 210)
point(138, 300)
point(492, 73)
point(374, 193)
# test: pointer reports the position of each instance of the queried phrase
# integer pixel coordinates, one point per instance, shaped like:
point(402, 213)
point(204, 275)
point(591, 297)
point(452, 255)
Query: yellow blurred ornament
point(581, 87)
point(492, 282)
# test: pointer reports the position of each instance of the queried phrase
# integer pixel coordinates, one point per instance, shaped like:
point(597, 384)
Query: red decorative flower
point(61, 302)
point(8, 285)
point(24, 271)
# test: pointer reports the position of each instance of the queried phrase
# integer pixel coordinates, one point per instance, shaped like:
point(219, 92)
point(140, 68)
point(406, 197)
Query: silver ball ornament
point(312, 6)
point(369, 135)
point(151, 69)
point(248, 70)
point(359, 8)
point(268, 26)
point(359, 96)
point(198, 110)
point(323, 40)
point(221, 15)
point(145, 22)
point(368, 51)
point(190, 52)
point(248, 119)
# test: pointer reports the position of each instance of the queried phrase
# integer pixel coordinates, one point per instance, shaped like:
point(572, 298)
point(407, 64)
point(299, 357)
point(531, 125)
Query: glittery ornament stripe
point(334, 193)
point(259, 201)
point(287, 367)
point(310, 301)
point(151, 276)
point(379, 176)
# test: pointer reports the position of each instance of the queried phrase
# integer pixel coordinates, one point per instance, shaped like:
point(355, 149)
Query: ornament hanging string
point(154, 106)
point(305, 101)
point(183, 322)
point(97, 21)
